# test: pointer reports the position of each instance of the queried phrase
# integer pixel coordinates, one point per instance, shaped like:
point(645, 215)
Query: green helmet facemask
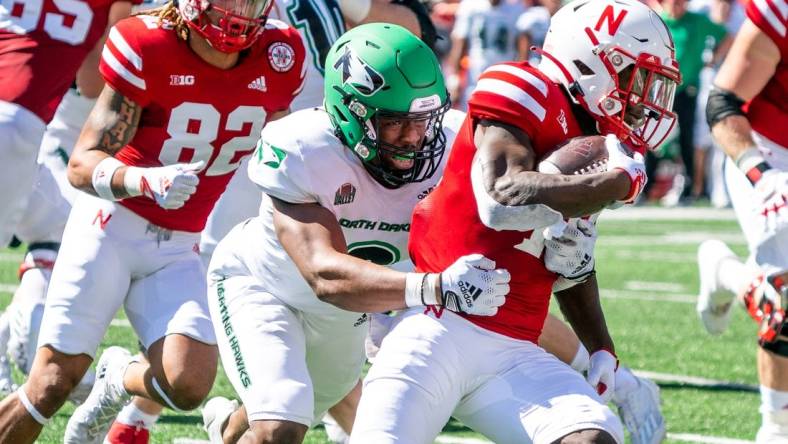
point(380, 72)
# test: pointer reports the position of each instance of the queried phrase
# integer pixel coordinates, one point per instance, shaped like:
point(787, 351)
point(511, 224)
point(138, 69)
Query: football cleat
point(639, 410)
point(215, 414)
point(91, 420)
point(714, 303)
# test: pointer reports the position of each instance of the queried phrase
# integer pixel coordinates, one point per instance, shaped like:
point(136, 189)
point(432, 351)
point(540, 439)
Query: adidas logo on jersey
point(258, 84)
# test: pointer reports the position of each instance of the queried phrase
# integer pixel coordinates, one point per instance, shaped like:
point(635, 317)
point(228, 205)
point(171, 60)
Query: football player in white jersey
point(485, 30)
point(289, 288)
point(747, 113)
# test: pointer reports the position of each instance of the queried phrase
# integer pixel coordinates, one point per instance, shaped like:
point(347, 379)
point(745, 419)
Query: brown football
point(580, 155)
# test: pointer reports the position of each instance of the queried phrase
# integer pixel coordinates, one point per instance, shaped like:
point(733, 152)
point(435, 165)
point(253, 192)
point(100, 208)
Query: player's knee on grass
point(274, 432)
point(588, 436)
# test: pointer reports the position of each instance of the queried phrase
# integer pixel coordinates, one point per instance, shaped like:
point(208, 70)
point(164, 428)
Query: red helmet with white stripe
point(616, 59)
point(228, 25)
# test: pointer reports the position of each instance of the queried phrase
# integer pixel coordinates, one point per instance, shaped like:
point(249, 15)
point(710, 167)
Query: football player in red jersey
point(747, 113)
point(35, 37)
point(189, 88)
point(608, 67)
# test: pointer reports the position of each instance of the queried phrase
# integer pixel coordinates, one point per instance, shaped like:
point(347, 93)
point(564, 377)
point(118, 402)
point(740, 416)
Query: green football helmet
point(380, 70)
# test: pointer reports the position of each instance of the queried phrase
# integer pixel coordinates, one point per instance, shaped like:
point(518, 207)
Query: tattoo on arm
point(115, 119)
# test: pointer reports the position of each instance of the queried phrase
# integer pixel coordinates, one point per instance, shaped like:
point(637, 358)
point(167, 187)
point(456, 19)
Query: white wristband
point(430, 287)
point(102, 177)
point(749, 159)
point(355, 10)
point(133, 181)
point(413, 289)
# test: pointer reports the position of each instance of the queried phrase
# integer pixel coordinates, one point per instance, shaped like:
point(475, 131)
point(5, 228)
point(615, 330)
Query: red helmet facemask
point(228, 25)
point(639, 109)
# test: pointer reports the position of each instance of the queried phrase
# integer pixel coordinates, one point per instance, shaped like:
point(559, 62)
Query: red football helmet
point(227, 25)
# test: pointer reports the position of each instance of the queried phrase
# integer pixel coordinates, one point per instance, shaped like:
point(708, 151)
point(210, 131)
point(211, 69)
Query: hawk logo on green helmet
point(358, 73)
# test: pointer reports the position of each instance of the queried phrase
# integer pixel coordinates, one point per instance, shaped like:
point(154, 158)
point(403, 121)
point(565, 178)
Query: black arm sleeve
point(721, 104)
point(429, 34)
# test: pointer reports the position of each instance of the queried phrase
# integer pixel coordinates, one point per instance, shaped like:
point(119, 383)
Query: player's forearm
point(572, 196)
point(110, 126)
point(385, 11)
point(581, 308)
point(734, 135)
point(356, 285)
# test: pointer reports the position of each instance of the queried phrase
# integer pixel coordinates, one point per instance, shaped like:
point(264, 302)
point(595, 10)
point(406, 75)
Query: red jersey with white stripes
point(767, 112)
point(519, 95)
point(42, 45)
point(194, 111)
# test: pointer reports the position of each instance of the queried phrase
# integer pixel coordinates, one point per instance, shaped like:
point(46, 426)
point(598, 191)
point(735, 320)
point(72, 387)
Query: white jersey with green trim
point(299, 160)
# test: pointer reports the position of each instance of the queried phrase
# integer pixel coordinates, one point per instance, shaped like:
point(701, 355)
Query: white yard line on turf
point(658, 213)
point(668, 287)
point(11, 257)
point(655, 296)
point(8, 288)
point(120, 323)
point(694, 381)
point(648, 256)
point(675, 238)
point(691, 437)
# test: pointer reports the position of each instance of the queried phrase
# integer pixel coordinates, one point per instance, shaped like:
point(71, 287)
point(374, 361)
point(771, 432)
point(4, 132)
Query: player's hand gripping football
point(771, 193)
point(474, 286)
point(602, 373)
point(170, 186)
point(634, 166)
point(571, 254)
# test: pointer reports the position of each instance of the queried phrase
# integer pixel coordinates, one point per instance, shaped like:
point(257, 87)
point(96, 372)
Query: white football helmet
point(616, 59)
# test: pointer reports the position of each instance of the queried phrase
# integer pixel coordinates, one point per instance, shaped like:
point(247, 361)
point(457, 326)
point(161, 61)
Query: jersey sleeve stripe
point(119, 69)
point(531, 79)
point(125, 49)
point(511, 92)
point(768, 13)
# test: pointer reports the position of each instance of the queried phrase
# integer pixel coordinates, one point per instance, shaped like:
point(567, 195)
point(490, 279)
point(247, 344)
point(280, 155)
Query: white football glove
point(571, 254)
point(634, 166)
point(602, 373)
point(771, 194)
point(474, 286)
point(170, 186)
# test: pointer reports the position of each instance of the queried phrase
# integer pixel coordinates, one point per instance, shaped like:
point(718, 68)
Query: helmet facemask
point(228, 25)
point(640, 103)
point(424, 158)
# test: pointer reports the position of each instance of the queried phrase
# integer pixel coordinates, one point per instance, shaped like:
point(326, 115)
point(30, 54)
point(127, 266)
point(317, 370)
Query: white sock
point(734, 275)
point(581, 360)
point(132, 415)
point(774, 427)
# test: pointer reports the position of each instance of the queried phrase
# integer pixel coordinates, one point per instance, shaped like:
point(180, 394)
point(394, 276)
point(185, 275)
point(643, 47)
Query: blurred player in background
point(532, 28)
point(34, 37)
point(484, 30)
point(747, 113)
point(608, 67)
point(190, 84)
